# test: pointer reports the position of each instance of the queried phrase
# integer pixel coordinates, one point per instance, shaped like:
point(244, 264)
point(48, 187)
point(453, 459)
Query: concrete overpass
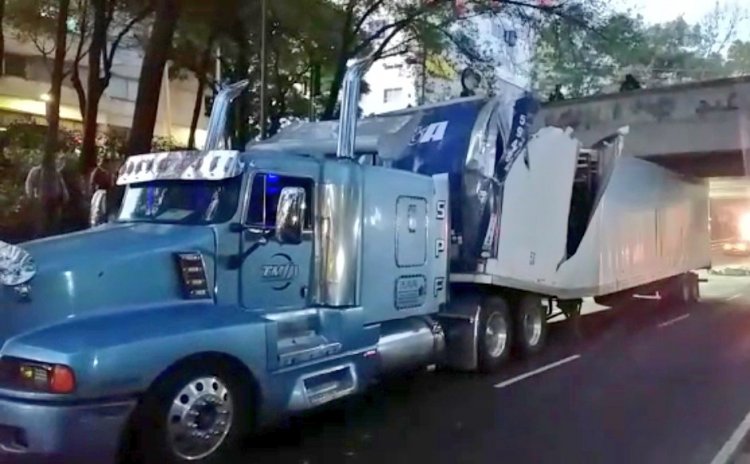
point(698, 128)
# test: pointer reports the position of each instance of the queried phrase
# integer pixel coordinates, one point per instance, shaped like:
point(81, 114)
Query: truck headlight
point(742, 247)
point(726, 247)
point(24, 374)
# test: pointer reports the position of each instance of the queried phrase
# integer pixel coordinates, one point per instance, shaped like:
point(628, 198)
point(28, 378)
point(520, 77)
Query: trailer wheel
point(197, 413)
point(676, 290)
point(530, 325)
point(495, 334)
point(686, 288)
point(695, 287)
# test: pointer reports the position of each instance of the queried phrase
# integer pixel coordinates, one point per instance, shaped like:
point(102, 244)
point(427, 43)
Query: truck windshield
point(192, 202)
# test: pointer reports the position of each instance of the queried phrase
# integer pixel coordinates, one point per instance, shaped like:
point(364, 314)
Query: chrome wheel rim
point(496, 335)
point(199, 418)
point(532, 326)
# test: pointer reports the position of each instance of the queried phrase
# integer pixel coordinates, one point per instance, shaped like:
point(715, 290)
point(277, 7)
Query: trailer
point(540, 213)
point(237, 288)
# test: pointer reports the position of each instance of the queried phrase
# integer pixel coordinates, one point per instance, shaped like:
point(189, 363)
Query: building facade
point(25, 83)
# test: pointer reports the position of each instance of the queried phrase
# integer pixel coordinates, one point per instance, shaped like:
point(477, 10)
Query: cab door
point(275, 276)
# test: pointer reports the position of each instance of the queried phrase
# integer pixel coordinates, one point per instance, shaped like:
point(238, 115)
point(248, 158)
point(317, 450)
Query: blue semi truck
point(236, 288)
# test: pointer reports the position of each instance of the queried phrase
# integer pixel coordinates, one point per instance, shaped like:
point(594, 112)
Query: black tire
point(493, 349)
point(530, 330)
point(695, 288)
point(150, 433)
point(676, 290)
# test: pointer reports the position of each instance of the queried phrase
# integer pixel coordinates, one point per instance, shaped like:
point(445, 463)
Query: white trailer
point(643, 223)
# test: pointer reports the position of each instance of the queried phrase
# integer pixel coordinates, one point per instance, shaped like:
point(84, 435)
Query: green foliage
point(586, 62)
point(739, 57)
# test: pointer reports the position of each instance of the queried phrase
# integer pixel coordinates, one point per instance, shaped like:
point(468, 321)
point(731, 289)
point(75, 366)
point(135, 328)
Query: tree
point(739, 57)
point(361, 30)
point(2, 35)
point(110, 17)
point(152, 73)
point(35, 22)
point(659, 54)
point(48, 173)
point(193, 51)
point(421, 29)
point(295, 44)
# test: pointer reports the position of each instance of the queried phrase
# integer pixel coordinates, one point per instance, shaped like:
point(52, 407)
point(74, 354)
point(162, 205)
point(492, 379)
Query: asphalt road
point(639, 384)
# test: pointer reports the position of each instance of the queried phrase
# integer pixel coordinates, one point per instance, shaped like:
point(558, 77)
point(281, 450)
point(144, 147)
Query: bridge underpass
point(700, 129)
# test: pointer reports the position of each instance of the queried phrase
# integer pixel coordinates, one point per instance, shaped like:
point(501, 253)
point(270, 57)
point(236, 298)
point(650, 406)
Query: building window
point(511, 38)
point(15, 65)
point(390, 95)
point(397, 67)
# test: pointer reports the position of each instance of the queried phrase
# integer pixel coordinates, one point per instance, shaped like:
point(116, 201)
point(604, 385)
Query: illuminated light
point(62, 380)
point(744, 226)
point(742, 247)
point(36, 376)
point(45, 97)
point(727, 247)
point(27, 372)
point(37, 107)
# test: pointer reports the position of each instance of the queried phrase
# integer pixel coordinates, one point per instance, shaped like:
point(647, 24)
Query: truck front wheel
point(495, 334)
point(531, 325)
point(196, 414)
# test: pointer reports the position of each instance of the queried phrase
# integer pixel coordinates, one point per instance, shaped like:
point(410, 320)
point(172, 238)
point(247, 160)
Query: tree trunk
point(95, 86)
point(152, 73)
point(197, 107)
point(2, 35)
point(338, 77)
point(50, 207)
point(333, 91)
point(75, 78)
point(204, 63)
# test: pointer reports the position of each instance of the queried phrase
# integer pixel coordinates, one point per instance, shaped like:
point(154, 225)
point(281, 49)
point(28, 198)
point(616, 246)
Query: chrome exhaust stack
point(350, 105)
point(217, 123)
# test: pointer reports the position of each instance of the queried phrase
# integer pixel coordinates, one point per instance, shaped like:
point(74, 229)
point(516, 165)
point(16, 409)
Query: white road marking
point(734, 297)
point(553, 365)
point(673, 321)
point(728, 451)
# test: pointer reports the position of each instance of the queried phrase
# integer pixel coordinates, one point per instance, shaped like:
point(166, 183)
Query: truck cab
point(231, 284)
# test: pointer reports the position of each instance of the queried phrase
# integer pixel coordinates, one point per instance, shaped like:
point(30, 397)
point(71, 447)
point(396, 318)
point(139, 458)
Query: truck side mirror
point(290, 215)
point(98, 211)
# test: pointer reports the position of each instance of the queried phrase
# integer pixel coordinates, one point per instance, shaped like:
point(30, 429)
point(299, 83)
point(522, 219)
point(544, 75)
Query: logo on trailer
point(281, 271)
point(430, 133)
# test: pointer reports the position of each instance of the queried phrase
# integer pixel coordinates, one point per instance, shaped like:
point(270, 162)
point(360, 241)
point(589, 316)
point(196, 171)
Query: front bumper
point(34, 432)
